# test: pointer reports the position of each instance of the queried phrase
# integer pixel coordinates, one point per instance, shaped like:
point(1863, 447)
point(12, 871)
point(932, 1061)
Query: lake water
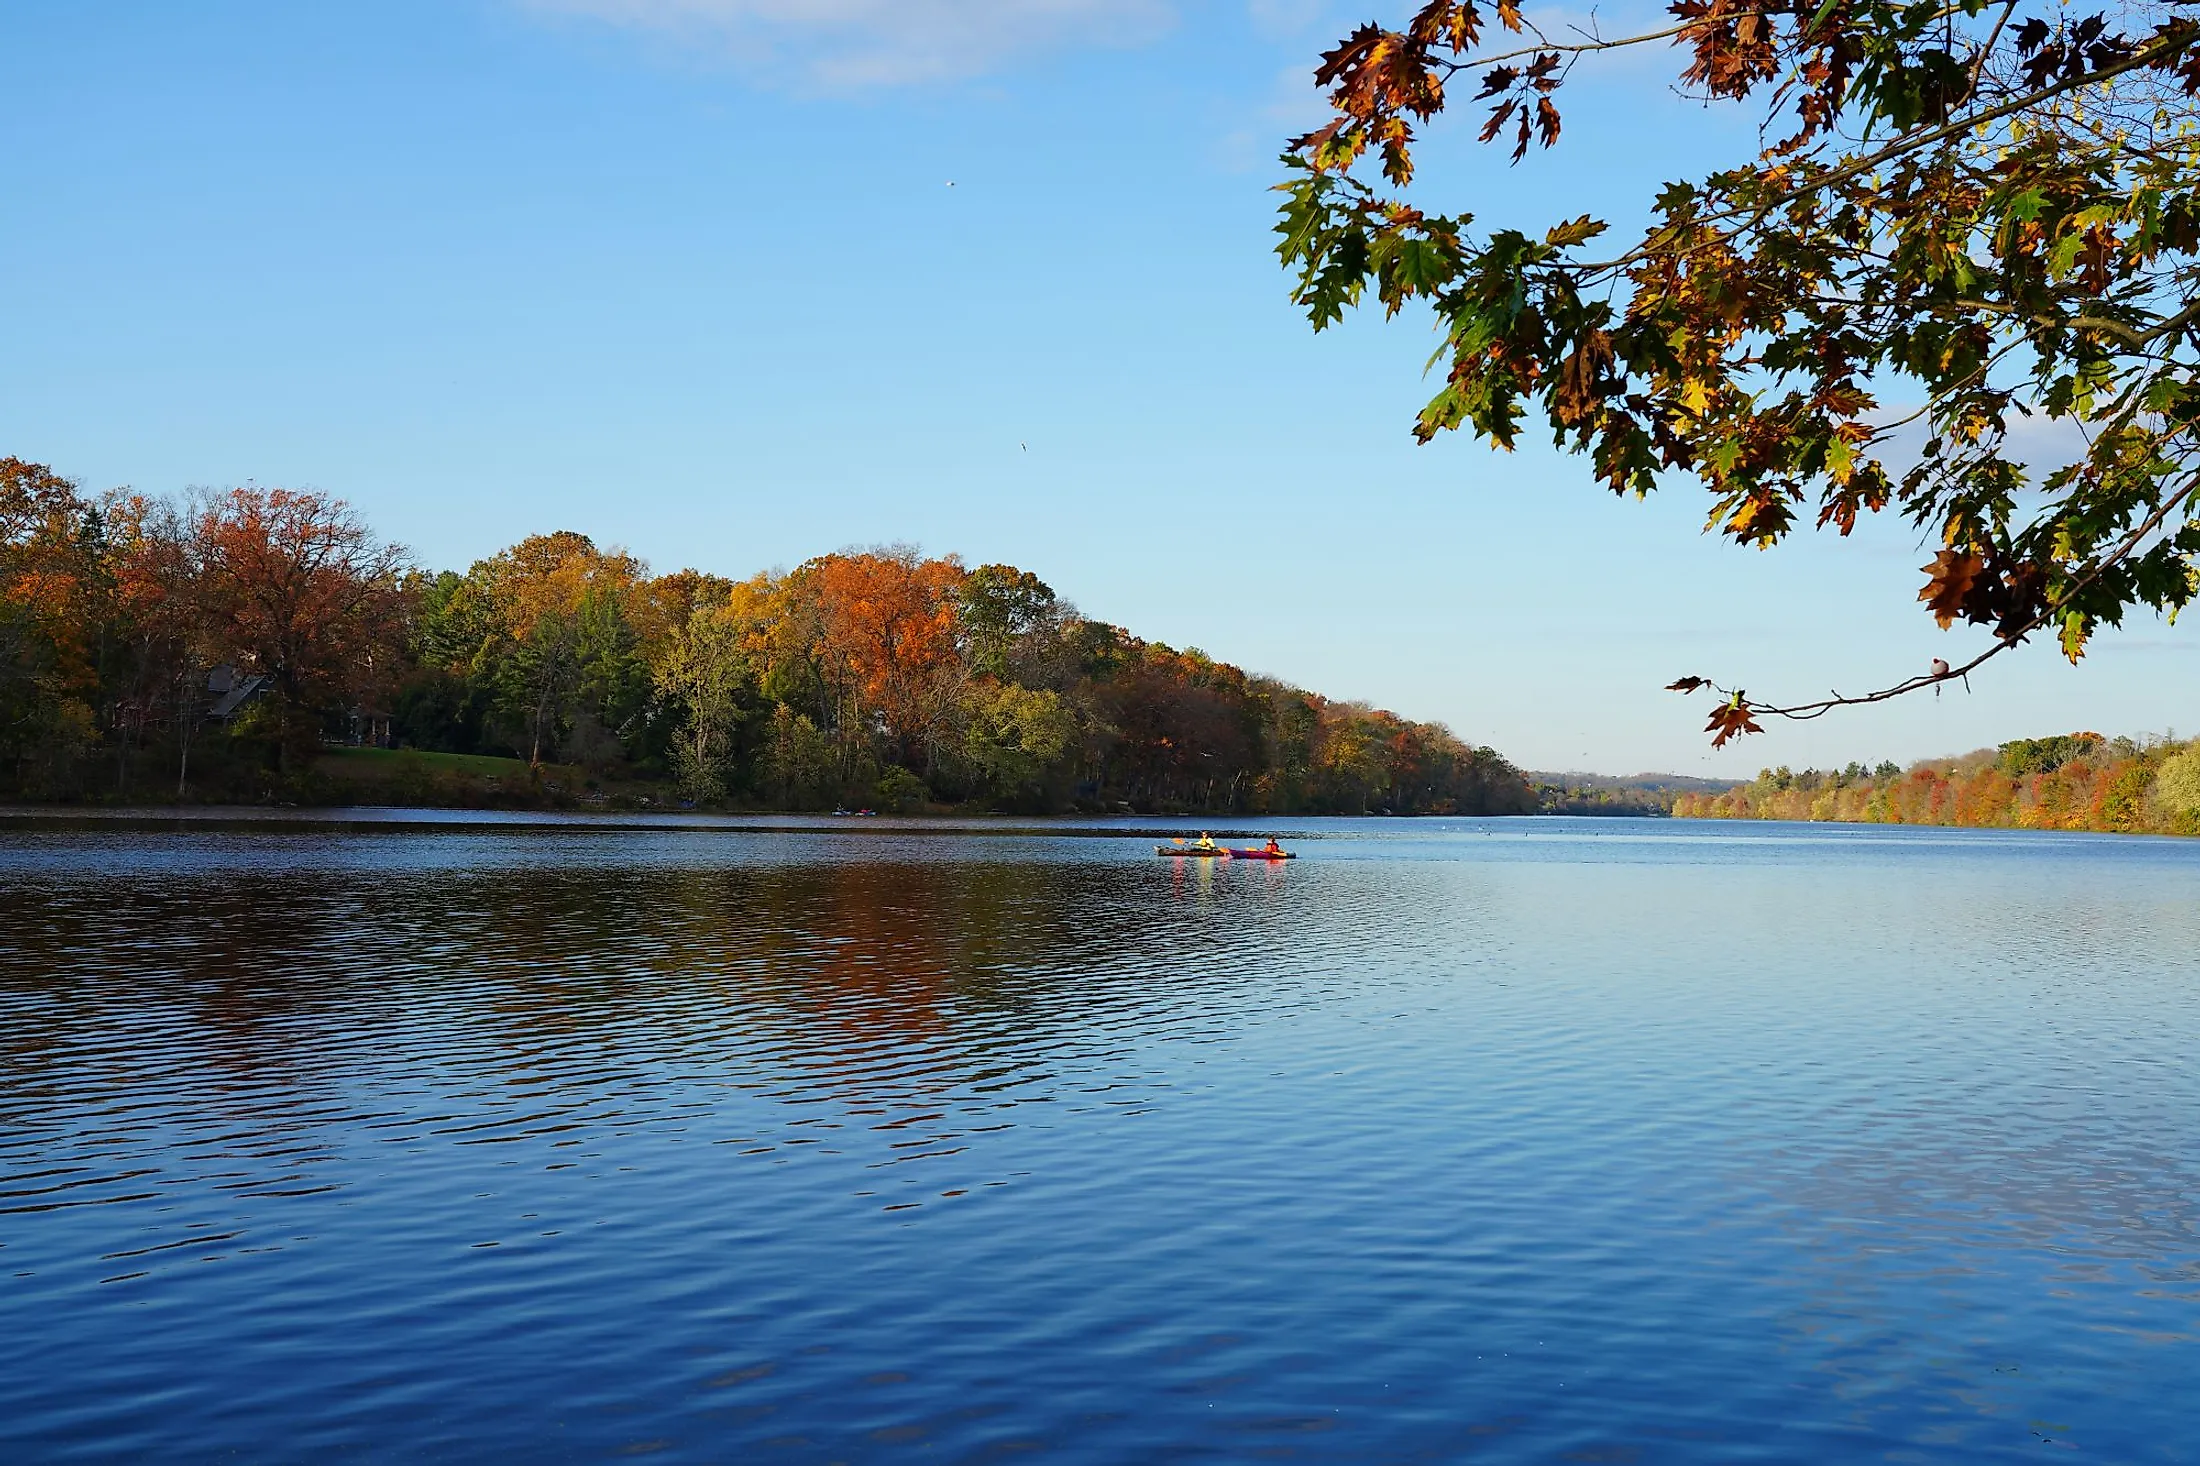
point(1530, 1140)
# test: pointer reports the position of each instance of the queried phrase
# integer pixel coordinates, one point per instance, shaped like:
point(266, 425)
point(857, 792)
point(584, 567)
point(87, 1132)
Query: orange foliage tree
point(888, 639)
point(49, 580)
point(294, 585)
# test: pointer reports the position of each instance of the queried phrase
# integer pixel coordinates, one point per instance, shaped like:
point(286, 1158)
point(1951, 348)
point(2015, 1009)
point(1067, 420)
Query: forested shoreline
point(265, 645)
point(1619, 796)
point(2070, 781)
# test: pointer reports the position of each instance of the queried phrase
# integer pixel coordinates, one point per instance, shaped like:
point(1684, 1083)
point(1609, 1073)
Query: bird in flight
point(1025, 446)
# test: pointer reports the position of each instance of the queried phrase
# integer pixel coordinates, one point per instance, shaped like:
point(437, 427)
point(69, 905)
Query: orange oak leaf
point(1731, 720)
point(1947, 592)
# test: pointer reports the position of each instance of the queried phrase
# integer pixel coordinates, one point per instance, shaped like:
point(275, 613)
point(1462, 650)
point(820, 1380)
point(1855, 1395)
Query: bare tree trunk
point(543, 708)
point(186, 723)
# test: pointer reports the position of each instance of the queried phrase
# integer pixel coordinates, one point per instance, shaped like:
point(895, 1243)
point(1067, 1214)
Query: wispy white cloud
point(856, 44)
point(1292, 105)
point(1287, 17)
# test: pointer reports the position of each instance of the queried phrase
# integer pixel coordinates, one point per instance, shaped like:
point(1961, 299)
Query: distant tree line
point(2068, 781)
point(221, 645)
point(1636, 796)
point(1569, 797)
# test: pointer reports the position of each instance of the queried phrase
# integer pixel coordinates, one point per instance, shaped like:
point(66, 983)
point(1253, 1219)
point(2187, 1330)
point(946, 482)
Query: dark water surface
point(1513, 1141)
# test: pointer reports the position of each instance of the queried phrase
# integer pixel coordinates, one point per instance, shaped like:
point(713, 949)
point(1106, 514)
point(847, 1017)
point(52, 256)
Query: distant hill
point(1685, 783)
point(1573, 792)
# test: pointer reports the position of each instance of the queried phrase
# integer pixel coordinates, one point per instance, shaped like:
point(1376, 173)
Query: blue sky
point(687, 275)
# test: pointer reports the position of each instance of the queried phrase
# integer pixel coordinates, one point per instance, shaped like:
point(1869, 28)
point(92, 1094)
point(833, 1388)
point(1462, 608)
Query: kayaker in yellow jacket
point(1205, 841)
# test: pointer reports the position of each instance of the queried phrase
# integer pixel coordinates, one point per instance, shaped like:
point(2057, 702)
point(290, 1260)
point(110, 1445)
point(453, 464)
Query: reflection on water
point(1520, 1141)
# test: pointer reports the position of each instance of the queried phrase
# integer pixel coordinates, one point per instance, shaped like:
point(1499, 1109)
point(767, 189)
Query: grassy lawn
point(386, 762)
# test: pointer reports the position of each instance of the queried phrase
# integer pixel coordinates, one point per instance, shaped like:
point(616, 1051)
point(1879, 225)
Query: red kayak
point(1236, 854)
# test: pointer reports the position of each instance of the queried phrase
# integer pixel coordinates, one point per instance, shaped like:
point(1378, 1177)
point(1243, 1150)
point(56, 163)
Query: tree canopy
point(227, 642)
point(1964, 214)
point(2067, 781)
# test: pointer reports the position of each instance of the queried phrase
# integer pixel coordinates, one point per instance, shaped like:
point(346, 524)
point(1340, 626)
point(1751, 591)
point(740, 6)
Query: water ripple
point(773, 1141)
